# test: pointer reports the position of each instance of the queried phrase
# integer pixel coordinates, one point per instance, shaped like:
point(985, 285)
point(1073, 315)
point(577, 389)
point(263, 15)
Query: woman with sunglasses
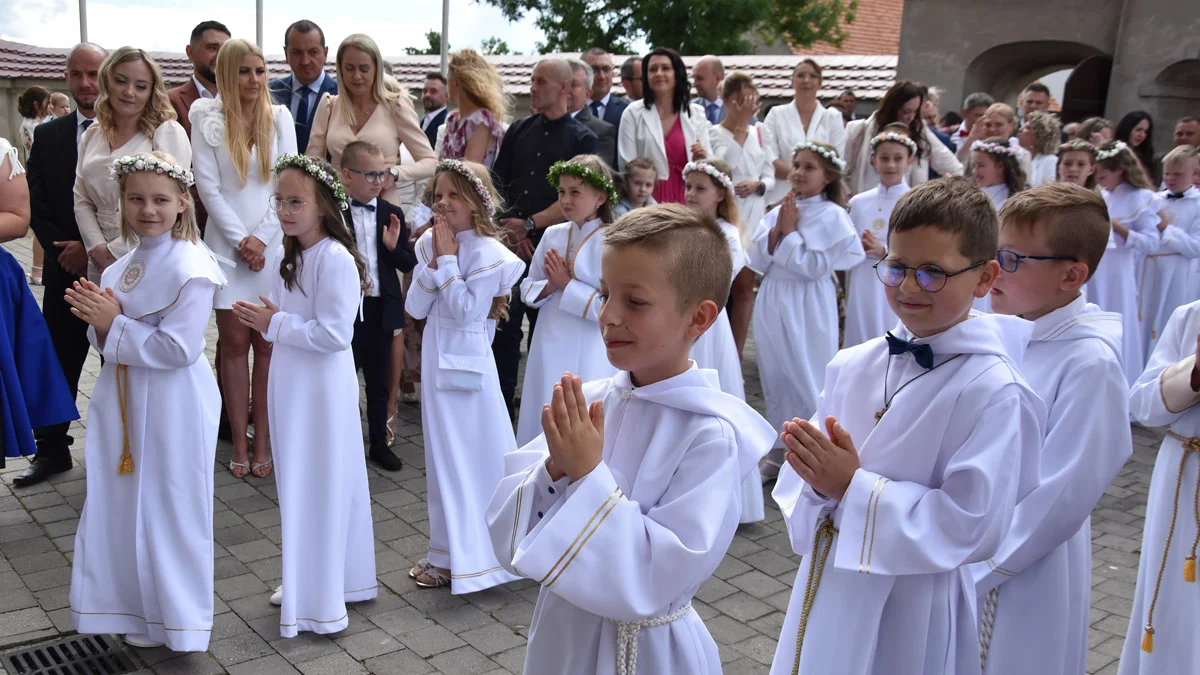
point(235, 141)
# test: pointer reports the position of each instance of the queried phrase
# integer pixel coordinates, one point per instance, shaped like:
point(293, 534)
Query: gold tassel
point(1189, 569)
point(1148, 641)
point(125, 467)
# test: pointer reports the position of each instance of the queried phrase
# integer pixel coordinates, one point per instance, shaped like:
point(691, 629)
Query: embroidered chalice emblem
point(133, 275)
point(878, 224)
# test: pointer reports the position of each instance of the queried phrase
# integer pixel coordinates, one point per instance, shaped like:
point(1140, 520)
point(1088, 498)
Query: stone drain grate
point(76, 655)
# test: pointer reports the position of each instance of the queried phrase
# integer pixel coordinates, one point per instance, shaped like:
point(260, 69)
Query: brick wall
point(876, 30)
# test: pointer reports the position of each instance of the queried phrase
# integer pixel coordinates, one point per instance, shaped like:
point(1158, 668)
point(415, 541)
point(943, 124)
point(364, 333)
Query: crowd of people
point(637, 238)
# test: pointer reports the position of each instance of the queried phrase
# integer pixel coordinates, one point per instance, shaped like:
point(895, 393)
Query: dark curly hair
point(683, 86)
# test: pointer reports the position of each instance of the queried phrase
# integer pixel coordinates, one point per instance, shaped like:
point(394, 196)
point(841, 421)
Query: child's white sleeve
point(598, 551)
point(1170, 364)
point(176, 342)
point(760, 259)
point(581, 299)
point(793, 253)
point(901, 528)
point(419, 301)
point(525, 497)
point(1183, 238)
point(1143, 235)
point(535, 282)
point(338, 297)
point(1087, 444)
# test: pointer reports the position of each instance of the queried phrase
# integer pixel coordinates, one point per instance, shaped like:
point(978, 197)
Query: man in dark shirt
point(531, 145)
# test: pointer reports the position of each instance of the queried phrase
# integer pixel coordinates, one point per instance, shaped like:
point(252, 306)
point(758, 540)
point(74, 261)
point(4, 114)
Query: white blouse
point(749, 161)
point(641, 135)
point(787, 131)
point(1044, 170)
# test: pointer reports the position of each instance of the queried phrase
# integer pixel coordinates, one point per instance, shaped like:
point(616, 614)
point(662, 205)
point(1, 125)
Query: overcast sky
point(164, 25)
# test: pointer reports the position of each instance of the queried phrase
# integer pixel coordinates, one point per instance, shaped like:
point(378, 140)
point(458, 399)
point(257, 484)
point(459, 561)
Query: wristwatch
point(761, 189)
point(530, 226)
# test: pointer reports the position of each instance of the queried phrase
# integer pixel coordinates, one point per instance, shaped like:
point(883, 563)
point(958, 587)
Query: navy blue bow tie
point(922, 353)
point(1175, 195)
point(355, 202)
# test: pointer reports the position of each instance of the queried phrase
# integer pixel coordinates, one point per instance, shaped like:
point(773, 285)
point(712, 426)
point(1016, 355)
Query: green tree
point(495, 45)
point(689, 26)
point(435, 44)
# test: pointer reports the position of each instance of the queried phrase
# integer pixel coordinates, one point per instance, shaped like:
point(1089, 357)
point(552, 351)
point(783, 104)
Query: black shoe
point(40, 470)
point(385, 458)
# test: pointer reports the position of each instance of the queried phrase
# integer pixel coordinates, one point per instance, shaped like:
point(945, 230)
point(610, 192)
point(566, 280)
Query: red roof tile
point(876, 30)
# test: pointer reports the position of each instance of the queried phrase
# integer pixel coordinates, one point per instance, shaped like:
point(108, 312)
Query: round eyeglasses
point(371, 176)
point(930, 278)
point(1010, 261)
point(279, 203)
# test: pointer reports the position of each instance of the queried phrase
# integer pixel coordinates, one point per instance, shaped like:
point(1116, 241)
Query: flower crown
point(589, 176)
point(995, 149)
point(827, 153)
point(713, 172)
point(1077, 145)
point(314, 169)
point(1109, 153)
point(147, 162)
point(893, 137)
point(465, 171)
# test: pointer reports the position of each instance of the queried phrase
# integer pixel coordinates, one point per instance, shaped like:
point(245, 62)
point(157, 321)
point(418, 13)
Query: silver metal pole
point(258, 23)
point(83, 21)
point(445, 34)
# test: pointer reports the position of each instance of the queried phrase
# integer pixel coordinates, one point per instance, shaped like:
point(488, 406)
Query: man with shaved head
point(530, 146)
point(51, 175)
point(707, 75)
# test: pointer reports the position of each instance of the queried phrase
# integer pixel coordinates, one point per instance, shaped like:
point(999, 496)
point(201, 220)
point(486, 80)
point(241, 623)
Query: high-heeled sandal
point(35, 276)
point(234, 466)
point(390, 429)
point(255, 466)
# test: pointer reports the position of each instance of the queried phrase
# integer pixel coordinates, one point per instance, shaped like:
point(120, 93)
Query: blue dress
point(33, 389)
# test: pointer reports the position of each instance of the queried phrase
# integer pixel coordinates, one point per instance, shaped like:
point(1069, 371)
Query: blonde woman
point(365, 109)
point(999, 120)
point(1040, 137)
point(235, 142)
point(133, 115)
point(473, 131)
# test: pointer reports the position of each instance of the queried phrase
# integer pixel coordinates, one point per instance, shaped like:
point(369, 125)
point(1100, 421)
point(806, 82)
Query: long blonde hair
point(727, 209)
point(240, 137)
point(158, 107)
point(481, 222)
point(185, 227)
point(480, 82)
point(1124, 161)
point(380, 93)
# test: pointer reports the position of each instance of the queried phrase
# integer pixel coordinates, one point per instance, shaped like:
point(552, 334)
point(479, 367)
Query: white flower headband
point(995, 148)
point(314, 169)
point(147, 162)
point(1111, 152)
point(712, 171)
point(893, 137)
point(827, 153)
point(463, 170)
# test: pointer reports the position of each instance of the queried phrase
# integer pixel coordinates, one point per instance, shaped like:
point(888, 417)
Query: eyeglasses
point(1010, 261)
point(371, 176)
point(930, 278)
point(293, 205)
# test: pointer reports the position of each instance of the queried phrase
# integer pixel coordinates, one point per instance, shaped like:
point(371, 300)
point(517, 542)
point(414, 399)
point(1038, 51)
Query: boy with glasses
point(909, 469)
point(1034, 594)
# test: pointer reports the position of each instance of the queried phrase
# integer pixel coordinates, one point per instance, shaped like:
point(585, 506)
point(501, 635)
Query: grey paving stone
point(464, 660)
point(254, 550)
point(335, 664)
point(240, 648)
point(430, 641)
point(305, 647)
point(194, 663)
point(368, 644)
point(403, 662)
point(268, 665)
point(492, 638)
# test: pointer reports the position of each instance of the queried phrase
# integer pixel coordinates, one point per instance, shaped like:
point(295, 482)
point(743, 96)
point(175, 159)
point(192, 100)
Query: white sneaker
point(277, 596)
point(141, 640)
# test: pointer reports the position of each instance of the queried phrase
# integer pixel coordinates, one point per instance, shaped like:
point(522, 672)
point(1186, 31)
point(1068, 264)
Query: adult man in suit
point(51, 197)
point(631, 78)
point(385, 249)
point(577, 99)
point(433, 98)
point(207, 38)
point(304, 45)
point(604, 105)
point(707, 75)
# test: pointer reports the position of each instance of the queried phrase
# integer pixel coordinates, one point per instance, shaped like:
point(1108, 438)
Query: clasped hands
point(98, 308)
point(827, 463)
point(558, 271)
point(251, 250)
point(574, 431)
point(444, 242)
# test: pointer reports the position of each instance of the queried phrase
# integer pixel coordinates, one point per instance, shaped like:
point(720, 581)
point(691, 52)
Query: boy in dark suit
point(382, 239)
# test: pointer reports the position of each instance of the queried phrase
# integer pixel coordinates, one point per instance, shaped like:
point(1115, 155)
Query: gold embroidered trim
point(588, 306)
point(303, 618)
point(991, 563)
point(143, 619)
point(571, 262)
point(1162, 392)
point(862, 556)
point(438, 550)
point(874, 521)
point(481, 270)
point(585, 540)
point(472, 575)
point(512, 553)
point(615, 494)
point(1067, 326)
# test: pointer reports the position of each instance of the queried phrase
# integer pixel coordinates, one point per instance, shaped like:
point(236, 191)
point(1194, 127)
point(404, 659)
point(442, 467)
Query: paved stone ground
point(413, 631)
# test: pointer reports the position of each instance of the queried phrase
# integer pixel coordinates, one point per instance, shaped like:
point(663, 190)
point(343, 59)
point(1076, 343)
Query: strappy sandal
point(439, 580)
point(390, 429)
point(420, 568)
point(255, 466)
point(234, 466)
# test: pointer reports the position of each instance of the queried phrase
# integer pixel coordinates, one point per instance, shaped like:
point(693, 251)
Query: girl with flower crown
point(460, 288)
point(144, 546)
point(564, 280)
point(996, 169)
point(312, 401)
point(798, 247)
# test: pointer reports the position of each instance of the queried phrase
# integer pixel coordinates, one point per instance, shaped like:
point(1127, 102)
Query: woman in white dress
point(902, 103)
point(802, 120)
point(133, 115)
point(235, 142)
point(746, 150)
point(1040, 137)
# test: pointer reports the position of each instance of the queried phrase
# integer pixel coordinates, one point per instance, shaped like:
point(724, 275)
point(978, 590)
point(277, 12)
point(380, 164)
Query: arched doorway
point(1004, 70)
point(1086, 89)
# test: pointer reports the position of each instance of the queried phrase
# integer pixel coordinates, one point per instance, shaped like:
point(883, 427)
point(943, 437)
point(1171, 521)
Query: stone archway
point(1004, 70)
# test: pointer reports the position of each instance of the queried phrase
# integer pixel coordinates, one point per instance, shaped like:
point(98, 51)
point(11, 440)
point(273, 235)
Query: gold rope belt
point(1190, 446)
point(1153, 261)
point(822, 542)
point(126, 464)
point(987, 624)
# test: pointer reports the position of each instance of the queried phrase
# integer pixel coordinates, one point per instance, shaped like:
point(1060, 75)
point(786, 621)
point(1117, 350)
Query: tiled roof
point(869, 76)
point(876, 30)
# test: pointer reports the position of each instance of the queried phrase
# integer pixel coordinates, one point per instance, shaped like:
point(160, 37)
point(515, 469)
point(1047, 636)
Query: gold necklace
point(887, 400)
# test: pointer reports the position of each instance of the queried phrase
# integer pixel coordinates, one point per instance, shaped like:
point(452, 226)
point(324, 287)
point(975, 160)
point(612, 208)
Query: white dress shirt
point(204, 92)
point(80, 120)
point(599, 113)
point(364, 238)
point(429, 117)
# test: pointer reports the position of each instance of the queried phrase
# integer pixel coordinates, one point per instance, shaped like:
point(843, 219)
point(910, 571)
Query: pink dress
point(459, 131)
point(671, 190)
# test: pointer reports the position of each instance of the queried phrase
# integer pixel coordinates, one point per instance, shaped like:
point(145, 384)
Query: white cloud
point(166, 25)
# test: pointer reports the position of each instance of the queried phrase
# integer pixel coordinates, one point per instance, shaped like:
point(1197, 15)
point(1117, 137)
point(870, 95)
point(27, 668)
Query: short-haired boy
point(1035, 592)
point(928, 429)
point(1171, 277)
point(382, 239)
point(630, 498)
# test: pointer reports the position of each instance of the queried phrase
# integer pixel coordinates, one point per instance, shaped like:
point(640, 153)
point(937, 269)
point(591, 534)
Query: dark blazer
point(281, 94)
point(51, 177)
point(613, 111)
point(403, 259)
point(434, 124)
point(607, 133)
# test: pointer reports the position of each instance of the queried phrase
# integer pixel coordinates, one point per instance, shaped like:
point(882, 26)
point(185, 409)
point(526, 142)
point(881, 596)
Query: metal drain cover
point(76, 655)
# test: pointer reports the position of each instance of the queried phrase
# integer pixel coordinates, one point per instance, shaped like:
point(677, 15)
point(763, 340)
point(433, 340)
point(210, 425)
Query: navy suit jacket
point(613, 111)
point(281, 94)
point(431, 131)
